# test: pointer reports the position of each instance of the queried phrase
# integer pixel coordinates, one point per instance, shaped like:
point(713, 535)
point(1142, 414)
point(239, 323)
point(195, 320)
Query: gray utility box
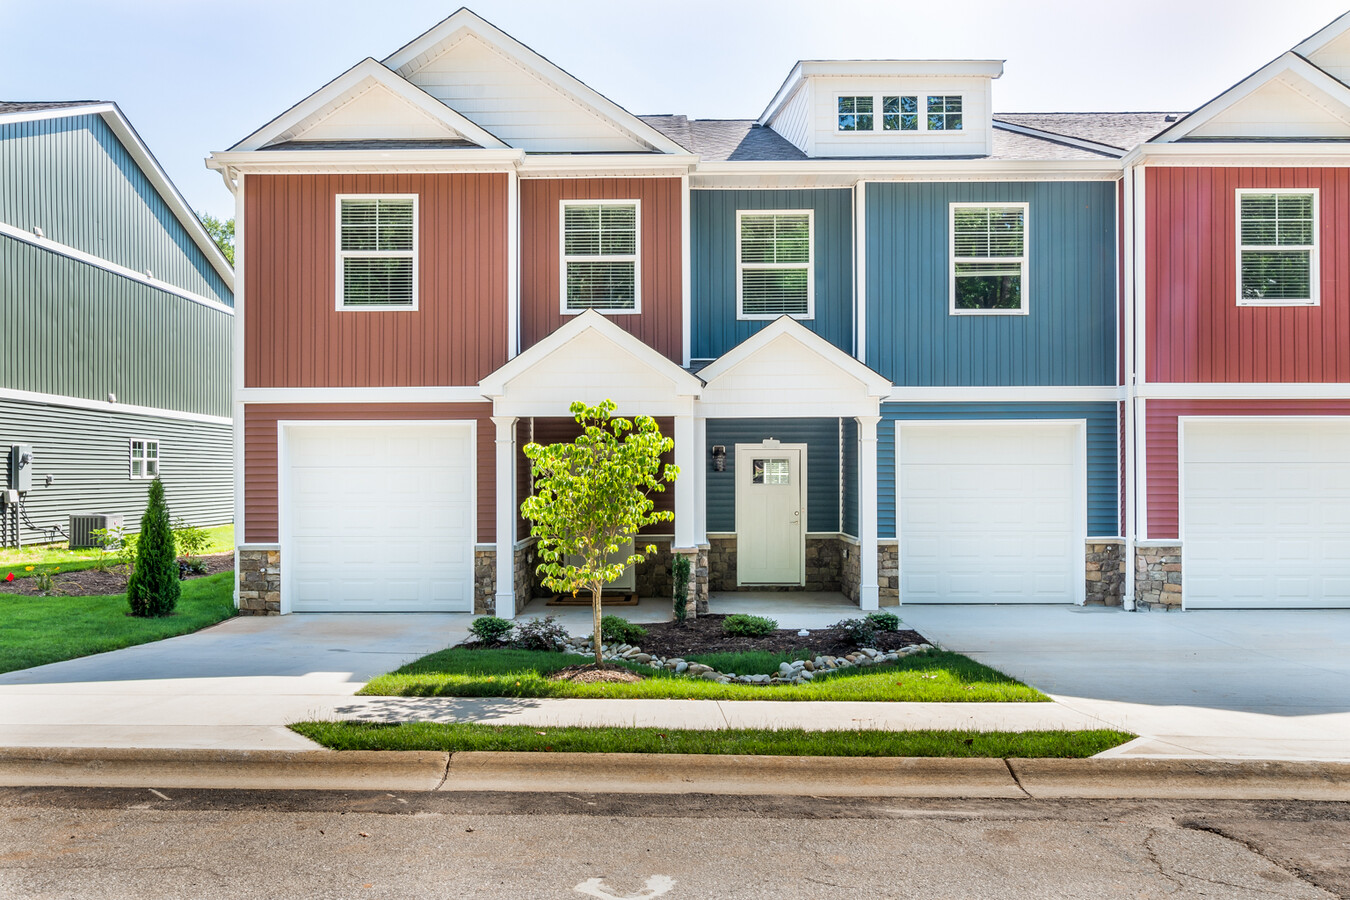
point(21, 468)
point(82, 529)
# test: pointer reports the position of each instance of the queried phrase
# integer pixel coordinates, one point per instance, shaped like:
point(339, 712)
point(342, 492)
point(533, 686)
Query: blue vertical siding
point(75, 180)
point(1102, 451)
point(713, 258)
point(1068, 336)
point(822, 466)
point(850, 477)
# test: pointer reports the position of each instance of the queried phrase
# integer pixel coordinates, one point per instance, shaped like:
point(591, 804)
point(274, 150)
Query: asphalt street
point(151, 843)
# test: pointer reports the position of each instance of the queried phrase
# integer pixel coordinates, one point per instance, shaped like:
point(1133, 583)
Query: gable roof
point(366, 75)
point(18, 111)
point(417, 52)
point(872, 383)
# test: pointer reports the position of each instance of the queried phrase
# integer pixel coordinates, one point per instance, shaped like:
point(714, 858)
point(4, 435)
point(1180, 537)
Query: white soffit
point(1288, 98)
point(493, 78)
point(350, 108)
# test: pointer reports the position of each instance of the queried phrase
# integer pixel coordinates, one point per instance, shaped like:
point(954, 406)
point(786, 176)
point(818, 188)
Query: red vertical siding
point(260, 453)
point(294, 335)
point(660, 324)
point(1162, 450)
point(1196, 332)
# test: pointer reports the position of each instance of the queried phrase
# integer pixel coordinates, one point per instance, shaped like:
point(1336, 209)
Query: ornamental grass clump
point(152, 590)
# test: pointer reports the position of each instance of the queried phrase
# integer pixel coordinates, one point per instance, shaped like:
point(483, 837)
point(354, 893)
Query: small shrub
point(860, 632)
point(618, 630)
point(43, 582)
point(190, 540)
point(748, 626)
point(152, 589)
point(490, 629)
point(884, 621)
point(679, 571)
point(191, 566)
point(540, 634)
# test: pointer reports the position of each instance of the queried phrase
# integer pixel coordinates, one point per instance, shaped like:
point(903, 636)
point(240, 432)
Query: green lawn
point(931, 676)
point(749, 662)
point(784, 742)
point(39, 630)
point(49, 556)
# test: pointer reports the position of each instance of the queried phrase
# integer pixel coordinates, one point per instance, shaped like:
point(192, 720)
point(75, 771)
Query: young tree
point(221, 231)
point(593, 495)
point(153, 587)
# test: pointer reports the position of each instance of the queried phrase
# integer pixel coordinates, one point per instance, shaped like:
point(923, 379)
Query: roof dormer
point(887, 108)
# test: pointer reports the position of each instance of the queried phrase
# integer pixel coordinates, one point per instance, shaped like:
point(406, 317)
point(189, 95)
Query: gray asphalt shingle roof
point(13, 106)
point(1124, 130)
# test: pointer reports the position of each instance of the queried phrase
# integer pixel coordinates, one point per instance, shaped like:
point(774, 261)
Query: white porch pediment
point(786, 370)
point(590, 359)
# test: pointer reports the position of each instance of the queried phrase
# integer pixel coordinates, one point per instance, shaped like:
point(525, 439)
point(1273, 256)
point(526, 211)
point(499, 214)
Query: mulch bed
point(589, 674)
point(93, 583)
point(705, 635)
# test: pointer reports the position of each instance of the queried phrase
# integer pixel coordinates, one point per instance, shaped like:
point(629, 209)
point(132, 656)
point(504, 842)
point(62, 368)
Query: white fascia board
point(1241, 153)
point(602, 165)
point(564, 81)
point(105, 406)
point(1006, 394)
point(786, 90)
point(846, 172)
point(146, 162)
point(1080, 143)
point(369, 69)
point(291, 162)
point(876, 385)
point(1308, 390)
point(1323, 36)
point(1288, 62)
point(684, 383)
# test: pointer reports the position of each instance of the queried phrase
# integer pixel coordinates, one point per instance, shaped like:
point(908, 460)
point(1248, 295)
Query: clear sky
point(195, 76)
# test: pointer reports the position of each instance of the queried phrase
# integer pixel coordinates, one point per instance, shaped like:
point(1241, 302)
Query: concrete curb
point(233, 769)
point(638, 773)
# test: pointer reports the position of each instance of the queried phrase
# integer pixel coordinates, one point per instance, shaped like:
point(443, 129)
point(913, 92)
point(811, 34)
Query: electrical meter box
point(21, 468)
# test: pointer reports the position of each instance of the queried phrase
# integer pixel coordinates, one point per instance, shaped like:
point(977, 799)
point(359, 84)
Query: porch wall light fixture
point(719, 458)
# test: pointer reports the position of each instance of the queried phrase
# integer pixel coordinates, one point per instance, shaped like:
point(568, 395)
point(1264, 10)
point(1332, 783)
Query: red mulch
point(93, 583)
point(705, 635)
point(589, 674)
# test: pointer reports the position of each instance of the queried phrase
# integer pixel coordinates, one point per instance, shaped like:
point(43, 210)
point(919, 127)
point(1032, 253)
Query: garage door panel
point(380, 518)
point(1266, 512)
point(989, 512)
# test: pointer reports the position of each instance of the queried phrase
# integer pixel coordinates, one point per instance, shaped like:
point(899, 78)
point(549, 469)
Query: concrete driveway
point(232, 686)
point(1228, 683)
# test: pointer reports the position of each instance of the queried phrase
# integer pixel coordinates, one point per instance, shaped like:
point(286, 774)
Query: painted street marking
point(656, 886)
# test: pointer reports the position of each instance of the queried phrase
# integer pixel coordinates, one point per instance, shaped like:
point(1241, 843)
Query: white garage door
point(1265, 512)
point(991, 513)
point(379, 518)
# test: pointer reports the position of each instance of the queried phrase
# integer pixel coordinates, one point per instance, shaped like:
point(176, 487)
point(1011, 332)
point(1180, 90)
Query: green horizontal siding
point(74, 330)
point(72, 178)
point(822, 467)
point(86, 453)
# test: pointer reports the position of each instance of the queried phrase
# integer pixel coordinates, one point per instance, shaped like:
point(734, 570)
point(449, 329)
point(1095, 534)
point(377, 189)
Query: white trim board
point(1301, 390)
point(106, 407)
point(1005, 394)
point(463, 394)
point(108, 265)
point(340, 256)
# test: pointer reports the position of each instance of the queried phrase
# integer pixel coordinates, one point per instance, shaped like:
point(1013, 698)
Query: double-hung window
point(775, 264)
point(989, 258)
point(1277, 247)
point(377, 251)
point(144, 459)
point(601, 269)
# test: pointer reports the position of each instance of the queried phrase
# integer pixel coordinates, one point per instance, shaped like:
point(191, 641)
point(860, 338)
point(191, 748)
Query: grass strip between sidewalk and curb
point(459, 737)
point(931, 676)
point(35, 631)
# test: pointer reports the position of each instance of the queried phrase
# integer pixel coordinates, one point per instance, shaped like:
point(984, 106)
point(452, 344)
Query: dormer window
point(858, 113)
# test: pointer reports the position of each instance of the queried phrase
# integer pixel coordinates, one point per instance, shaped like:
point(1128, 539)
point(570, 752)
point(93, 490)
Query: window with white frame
point(874, 113)
point(775, 275)
point(1277, 247)
point(377, 251)
point(600, 265)
point(144, 459)
point(989, 258)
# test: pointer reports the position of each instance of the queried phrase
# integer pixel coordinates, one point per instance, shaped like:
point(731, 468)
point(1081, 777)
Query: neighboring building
point(115, 327)
point(888, 329)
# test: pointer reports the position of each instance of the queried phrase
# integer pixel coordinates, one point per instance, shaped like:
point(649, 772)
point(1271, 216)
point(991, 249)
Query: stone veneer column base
point(259, 582)
point(888, 572)
point(850, 569)
point(1105, 571)
point(1157, 576)
point(484, 582)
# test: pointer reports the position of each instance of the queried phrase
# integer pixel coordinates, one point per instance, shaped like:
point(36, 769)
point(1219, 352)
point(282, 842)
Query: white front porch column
point(686, 494)
point(505, 598)
point(869, 594)
point(701, 480)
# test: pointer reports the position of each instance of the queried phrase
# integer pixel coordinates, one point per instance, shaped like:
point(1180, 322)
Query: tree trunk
point(595, 615)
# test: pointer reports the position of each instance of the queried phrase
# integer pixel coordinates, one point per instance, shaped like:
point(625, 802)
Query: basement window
point(377, 251)
point(775, 269)
point(989, 259)
point(600, 265)
point(1277, 242)
point(144, 459)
